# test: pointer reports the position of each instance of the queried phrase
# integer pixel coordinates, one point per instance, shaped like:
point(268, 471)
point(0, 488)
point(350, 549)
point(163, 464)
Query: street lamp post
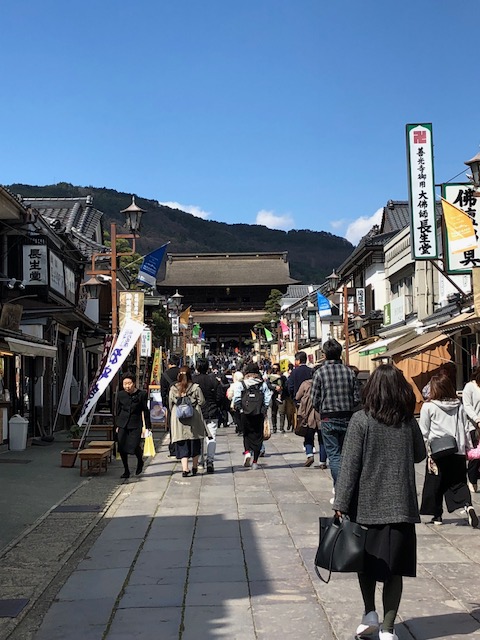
point(133, 215)
point(174, 306)
point(333, 282)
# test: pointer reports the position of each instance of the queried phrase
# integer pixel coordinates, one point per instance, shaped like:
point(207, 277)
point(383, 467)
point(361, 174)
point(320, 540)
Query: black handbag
point(442, 447)
point(341, 548)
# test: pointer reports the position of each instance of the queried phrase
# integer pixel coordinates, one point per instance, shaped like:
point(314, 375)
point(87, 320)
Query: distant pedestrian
point(255, 389)
point(132, 414)
point(312, 421)
point(235, 384)
point(471, 404)
point(335, 395)
point(214, 399)
point(376, 488)
point(168, 378)
point(188, 433)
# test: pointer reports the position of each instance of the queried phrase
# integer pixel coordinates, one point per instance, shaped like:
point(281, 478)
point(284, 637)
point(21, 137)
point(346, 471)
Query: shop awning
point(27, 348)
point(380, 346)
point(409, 345)
point(426, 346)
point(460, 322)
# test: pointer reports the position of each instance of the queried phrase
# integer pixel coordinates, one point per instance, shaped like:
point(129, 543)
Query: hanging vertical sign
point(35, 265)
point(462, 196)
point(421, 191)
point(360, 300)
point(146, 343)
point(131, 306)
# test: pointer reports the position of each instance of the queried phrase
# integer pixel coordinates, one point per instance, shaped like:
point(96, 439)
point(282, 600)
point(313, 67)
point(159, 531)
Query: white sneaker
point(386, 635)
point(472, 517)
point(369, 624)
point(247, 459)
point(254, 466)
point(332, 500)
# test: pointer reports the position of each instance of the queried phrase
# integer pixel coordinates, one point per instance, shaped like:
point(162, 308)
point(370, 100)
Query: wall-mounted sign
point(462, 196)
point(394, 311)
point(360, 300)
point(422, 191)
point(146, 343)
point(35, 266)
point(57, 276)
point(70, 285)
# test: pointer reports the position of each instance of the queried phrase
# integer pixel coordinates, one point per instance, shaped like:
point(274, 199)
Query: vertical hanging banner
point(156, 367)
point(421, 191)
point(64, 405)
point(463, 197)
point(125, 342)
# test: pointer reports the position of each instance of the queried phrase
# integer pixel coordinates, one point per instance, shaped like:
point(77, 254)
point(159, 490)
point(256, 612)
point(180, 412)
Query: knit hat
point(252, 367)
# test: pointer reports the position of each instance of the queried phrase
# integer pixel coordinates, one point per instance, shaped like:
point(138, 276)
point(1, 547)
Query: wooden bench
point(106, 428)
point(102, 444)
point(94, 460)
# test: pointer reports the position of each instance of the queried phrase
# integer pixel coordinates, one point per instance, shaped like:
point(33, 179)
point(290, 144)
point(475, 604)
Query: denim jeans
point(310, 441)
point(333, 433)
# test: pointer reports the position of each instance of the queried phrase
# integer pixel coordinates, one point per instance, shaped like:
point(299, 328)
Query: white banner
point(146, 343)
point(126, 340)
point(64, 406)
point(462, 196)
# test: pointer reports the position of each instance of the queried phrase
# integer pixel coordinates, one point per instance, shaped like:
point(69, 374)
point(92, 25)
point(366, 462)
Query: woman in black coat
point(131, 404)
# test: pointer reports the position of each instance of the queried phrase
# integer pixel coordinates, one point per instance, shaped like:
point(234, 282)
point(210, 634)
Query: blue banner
point(324, 306)
point(150, 266)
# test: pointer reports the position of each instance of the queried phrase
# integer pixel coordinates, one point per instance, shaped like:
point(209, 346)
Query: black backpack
point(252, 400)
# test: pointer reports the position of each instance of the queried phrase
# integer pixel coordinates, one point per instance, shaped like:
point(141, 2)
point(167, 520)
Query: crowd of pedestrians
point(369, 439)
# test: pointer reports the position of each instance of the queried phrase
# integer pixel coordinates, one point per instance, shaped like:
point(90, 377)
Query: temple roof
point(226, 269)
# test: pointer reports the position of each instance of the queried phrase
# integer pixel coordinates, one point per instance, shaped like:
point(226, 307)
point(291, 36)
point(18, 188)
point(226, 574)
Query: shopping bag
point(341, 546)
point(149, 447)
point(267, 432)
point(474, 454)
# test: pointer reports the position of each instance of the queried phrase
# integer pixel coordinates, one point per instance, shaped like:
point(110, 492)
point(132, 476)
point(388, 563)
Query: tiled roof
point(396, 215)
point(226, 270)
point(77, 216)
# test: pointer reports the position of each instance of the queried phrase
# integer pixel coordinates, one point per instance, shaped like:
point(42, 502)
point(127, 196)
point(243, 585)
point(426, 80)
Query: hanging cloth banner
point(127, 338)
point(460, 229)
point(285, 328)
point(268, 334)
point(156, 366)
point(150, 266)
point(324, 306)
point(64, 406)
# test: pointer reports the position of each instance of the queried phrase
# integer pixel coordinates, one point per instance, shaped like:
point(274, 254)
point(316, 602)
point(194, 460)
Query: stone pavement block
point(211, 593)
point(265, 519)
point(443, 626)
point(152, 596)
point(168, 544)
point(236, 573)
point(294, 497)
point(81, 619)
point(158, 561)
point(275, 571)
point(282, 591)
point(213, 557)
point(120, 554)
point(126, 527)
point(294, 620)
point(438, 548)
point(90, 585)
point(222, 621)
point(152, 575)
point(207, 528)
point(215, 543)
point(146, 624)
point(457, 578)
point(260, 498)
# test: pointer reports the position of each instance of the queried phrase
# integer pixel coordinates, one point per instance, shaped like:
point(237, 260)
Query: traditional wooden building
point(226, 292)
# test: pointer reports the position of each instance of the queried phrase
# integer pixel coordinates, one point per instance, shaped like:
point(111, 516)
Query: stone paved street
point(230, 555)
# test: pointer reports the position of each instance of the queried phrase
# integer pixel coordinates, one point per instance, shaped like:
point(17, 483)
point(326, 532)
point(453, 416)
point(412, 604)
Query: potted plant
point(68, 457)
point(75, 435)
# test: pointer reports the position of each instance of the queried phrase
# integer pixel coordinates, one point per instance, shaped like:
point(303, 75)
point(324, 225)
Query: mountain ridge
point(312, 254)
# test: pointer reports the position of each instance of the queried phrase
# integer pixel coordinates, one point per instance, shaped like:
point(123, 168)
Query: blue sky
point(289, 113)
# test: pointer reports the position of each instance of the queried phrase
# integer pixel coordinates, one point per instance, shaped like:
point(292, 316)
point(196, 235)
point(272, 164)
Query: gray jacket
point(376, 484)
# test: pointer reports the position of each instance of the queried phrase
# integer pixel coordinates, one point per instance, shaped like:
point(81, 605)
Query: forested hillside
point(312, 254)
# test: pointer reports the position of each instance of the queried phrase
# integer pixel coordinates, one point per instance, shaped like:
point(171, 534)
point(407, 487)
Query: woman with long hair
point(187, 433)
point(444, 415)
point(376, 488)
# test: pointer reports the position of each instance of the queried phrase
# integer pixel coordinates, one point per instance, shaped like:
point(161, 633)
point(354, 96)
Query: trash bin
point(17, 433)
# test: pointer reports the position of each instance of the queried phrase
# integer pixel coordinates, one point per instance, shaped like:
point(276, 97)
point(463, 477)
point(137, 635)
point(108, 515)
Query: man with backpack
point(214, 399)
point(168, 378)
point(252, 398)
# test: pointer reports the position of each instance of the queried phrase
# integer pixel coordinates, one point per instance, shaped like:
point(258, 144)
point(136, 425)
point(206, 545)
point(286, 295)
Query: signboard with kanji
point(421, 191)
point(462, 196)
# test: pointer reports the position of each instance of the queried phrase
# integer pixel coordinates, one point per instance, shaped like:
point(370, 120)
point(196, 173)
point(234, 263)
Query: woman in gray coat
point(187, 434)
point(376, 488)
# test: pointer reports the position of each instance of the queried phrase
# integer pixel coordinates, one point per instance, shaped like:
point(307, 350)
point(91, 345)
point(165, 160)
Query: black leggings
point(124, 457)
point(392, 594)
